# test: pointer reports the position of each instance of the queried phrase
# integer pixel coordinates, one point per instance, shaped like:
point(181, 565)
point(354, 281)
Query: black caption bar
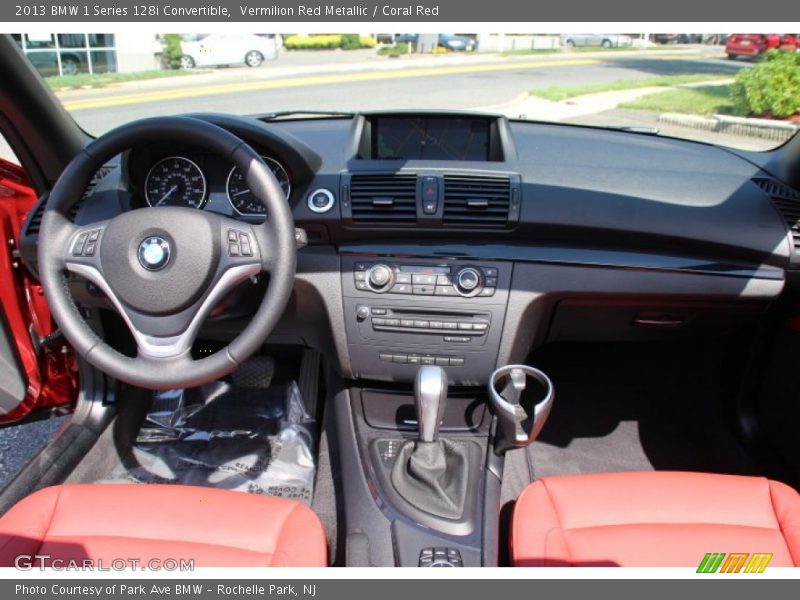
point(400, 11)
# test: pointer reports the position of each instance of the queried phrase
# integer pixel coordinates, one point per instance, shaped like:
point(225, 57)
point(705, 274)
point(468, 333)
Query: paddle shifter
point(432, 473)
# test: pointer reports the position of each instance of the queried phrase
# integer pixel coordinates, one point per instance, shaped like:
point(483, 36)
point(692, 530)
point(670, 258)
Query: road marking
point(291, 82)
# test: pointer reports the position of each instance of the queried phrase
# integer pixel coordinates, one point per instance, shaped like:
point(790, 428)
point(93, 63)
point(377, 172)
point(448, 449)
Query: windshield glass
point(730, 90)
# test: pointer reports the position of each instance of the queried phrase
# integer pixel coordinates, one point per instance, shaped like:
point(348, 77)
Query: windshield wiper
point(306, 113)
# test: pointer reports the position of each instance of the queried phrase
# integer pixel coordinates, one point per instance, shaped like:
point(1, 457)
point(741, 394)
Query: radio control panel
point(404, 312)
point(453, 328)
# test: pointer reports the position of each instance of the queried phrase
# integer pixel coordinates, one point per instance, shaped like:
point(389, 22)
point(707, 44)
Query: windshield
point(729, 90)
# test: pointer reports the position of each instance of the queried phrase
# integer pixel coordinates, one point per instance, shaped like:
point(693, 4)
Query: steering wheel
point(165, 268)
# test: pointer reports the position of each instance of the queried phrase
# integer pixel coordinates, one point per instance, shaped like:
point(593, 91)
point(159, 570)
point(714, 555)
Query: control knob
point(468, 280)
point(380, 277)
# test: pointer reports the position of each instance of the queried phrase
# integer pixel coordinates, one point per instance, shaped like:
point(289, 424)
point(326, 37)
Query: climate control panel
point(425, 280)
point(403, 311)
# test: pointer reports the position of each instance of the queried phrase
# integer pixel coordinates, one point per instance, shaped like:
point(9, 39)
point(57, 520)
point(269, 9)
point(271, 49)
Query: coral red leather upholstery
point(144, 522)
point(653, 519)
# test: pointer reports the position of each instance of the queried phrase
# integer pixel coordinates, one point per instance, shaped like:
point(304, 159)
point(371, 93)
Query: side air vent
point(35, 220)
point(477, 200)
point(384, 198)
point(787, 201)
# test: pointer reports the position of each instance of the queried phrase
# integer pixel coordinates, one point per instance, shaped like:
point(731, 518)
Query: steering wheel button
point(77, 248)
point(89, 249)
point(94, 235)
point(233, 249)
point(246, 250)
point(232, 237)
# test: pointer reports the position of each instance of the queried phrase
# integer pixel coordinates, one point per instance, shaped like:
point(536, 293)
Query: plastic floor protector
point(255, 440)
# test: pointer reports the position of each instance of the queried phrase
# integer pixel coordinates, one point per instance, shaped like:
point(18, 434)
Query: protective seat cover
point(157, 522)
point(653, 519)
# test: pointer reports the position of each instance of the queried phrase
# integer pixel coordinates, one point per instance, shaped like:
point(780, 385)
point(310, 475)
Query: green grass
point(99, 80)
point(703, 100)
point(395, 50)
point(558, 93)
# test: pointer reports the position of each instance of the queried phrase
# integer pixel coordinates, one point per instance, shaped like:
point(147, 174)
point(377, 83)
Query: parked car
point(753, 44)
point(456, 43)
point(665, 38)
point(604, 40)
point(209, 50)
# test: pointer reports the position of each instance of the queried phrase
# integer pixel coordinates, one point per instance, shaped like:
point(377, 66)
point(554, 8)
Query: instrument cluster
point(202, 181)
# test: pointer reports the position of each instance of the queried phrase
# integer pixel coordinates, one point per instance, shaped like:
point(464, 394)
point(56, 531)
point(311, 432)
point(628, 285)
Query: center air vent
point(384, 198)
point(787, 201)
point(477, 200)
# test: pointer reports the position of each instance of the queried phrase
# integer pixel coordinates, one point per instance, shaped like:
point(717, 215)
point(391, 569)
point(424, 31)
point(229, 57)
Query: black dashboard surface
point(579, 187)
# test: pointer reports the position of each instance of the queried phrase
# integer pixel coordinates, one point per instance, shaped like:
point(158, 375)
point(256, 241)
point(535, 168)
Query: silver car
point(604, 40)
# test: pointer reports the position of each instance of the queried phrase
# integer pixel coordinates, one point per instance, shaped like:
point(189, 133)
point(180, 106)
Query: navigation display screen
point(430, 138)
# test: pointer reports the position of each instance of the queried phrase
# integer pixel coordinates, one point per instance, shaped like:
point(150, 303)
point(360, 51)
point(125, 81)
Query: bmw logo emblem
point(154, 253)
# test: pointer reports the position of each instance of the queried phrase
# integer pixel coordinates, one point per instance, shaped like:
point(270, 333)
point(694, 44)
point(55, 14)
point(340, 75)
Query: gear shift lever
point(432, 473)
point(430, 396)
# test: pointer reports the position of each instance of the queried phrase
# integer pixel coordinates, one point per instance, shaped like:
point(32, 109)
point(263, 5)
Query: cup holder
point(521, 398)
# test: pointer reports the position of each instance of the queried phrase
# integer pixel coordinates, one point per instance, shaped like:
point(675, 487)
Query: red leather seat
point(653, 519)
point(144, 522)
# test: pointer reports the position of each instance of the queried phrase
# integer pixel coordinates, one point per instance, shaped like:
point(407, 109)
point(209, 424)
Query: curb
point(779, 131)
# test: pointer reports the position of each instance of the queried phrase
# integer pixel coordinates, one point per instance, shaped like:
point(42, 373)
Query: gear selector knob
point(430, 395)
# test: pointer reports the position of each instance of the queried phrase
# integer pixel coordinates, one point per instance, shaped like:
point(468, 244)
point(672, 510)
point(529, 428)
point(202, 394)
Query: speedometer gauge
point(175, 181)
point(242, 199)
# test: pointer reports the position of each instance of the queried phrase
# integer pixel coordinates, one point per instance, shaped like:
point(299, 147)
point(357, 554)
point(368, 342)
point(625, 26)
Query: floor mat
point(636, 409)
point(256, 440)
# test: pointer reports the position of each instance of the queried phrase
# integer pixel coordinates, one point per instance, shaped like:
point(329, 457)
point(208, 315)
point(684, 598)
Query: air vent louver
point(35, 220)
point(787, 201)
point(476, 200)
point(384, 198)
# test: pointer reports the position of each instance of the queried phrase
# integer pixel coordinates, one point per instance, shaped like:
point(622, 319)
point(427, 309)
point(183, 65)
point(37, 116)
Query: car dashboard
point(466, 240)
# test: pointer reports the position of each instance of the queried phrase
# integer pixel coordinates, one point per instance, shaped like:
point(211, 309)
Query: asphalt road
point(467, 86)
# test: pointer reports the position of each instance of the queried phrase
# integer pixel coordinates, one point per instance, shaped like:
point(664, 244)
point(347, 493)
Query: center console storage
point(432, 460)
point(403, 313)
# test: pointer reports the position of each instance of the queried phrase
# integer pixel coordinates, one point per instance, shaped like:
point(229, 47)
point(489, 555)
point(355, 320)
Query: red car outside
point(753, 44)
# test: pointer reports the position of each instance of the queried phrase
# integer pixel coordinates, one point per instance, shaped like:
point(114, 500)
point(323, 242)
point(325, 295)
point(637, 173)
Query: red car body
point(50, 370)
point(755, 44)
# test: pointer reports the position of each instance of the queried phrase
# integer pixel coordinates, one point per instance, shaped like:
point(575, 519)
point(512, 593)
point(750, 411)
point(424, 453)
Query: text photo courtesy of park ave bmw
point(295, 294)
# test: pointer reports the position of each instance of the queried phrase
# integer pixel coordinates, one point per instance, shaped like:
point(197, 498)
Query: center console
point(401, 313)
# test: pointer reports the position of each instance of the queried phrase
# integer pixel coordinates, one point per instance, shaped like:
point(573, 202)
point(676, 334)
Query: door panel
point(13, 387)
point(32, 375)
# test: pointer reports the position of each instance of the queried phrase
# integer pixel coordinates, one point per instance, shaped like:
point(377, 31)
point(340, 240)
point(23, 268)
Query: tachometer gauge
point(175, 181)
point(242, 199)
